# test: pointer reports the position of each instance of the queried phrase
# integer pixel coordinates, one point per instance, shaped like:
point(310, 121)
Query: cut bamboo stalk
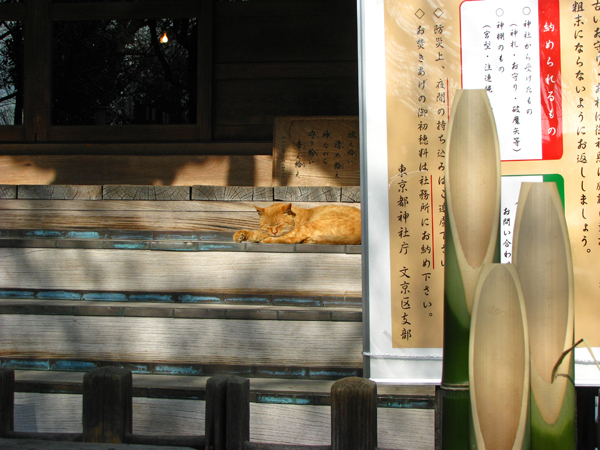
point(542, 255)
point(499, 362)
point(472, 226)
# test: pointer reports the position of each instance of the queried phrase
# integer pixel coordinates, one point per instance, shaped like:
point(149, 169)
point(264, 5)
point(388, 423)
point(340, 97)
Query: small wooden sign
point(316, 151)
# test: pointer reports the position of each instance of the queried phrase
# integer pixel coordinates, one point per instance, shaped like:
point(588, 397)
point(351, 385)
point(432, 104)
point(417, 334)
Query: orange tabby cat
point(283, 223)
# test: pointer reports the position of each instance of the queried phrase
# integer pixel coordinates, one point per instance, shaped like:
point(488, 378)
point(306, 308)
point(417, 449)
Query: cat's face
point(277, 220)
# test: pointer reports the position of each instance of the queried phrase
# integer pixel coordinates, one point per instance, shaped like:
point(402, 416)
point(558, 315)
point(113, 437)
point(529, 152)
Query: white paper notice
point(500, 53)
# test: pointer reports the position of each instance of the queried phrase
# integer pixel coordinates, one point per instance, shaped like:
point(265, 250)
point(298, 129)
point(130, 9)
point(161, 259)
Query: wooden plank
point(141, 206)
point(49, 192)
point(124, 133)
point(110, 11)
point(34, 444)
point(161, 193)
point(243, 132)
point(205, 310)
point(329, 36)
point(136, 170)
point(279, 8)
point(223, 193)
point(13, 133)
point(181, 341)
point(306, 194)
point(82, 149)
point(316, 151)
point(281, 424)
point(308, 69)
point(12, 11)
point(351, 194)
point(204, 69)
point(107, 405)
point(133, 220)
point(150, 385)
point(217, 272)
point(131, 215)
point(259, 101)
point(7, 192)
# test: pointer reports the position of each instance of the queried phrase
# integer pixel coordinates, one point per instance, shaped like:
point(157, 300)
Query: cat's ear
point(287, 209)
point(260, 210)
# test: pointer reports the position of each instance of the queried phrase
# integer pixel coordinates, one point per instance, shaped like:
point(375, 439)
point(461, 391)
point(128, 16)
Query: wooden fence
point(107, 414)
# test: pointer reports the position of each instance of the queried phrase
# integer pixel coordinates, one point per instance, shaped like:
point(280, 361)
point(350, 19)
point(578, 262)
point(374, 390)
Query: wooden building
point(117, 212)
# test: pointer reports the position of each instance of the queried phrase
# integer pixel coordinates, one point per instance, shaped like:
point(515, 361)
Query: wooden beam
point(130, 10)
point(86, 148)
point(137, 170)
point(329, 274)
point(182, 341)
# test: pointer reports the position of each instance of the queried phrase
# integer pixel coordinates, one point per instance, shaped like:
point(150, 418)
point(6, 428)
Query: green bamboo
point(542, 254)
point(561, 433)
point(472, 209)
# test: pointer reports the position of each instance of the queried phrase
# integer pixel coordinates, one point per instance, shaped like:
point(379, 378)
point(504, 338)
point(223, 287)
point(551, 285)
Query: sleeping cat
point(283, 223)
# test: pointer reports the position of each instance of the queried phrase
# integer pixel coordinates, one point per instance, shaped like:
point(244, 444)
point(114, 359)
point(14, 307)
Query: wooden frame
point(39, 15)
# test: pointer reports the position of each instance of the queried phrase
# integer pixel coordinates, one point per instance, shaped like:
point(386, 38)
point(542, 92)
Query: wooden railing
point(107, 414)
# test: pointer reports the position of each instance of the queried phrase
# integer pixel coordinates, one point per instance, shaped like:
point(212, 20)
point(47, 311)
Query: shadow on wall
point(245, 170)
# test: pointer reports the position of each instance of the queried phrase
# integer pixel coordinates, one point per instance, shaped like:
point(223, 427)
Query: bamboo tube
point(499, 362)
point(542, 255)
point(472, 226)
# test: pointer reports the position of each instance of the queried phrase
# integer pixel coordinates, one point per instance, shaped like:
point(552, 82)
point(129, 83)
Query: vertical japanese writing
point(595, 7)
point(579, 82)
point(550, 76)
point(316, 151)
point(419, 185)
point(501, 56)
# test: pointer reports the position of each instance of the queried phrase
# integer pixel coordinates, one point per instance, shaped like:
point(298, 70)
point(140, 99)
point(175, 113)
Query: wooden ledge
point(260, 311)
point(262, 390)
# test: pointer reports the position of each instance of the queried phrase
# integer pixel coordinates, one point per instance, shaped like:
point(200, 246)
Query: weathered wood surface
point(306, 194)
point(131, 215)
point(34, 444)
point(86, 169)
point(107, 410)
point(243, 193)
point(50, 192)
point(8, 191)
point(151, 385)
point(122, 270)
point(134, 205)
point(282, 424)
point(182, 341)
point(316, 151)
point(210, 307)
point(168, 193)
point(237, 413)
point(7, 389)
point(354, 414)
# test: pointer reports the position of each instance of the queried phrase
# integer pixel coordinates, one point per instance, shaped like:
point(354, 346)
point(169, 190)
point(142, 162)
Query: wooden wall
point(282, 58)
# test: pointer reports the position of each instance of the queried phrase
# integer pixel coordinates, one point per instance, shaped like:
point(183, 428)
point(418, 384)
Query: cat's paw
point(241, 236)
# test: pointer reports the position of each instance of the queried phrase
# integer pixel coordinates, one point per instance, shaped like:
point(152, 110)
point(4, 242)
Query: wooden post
point(354, 414)
point(216, 398)
point(238, 413)
point(7, 401)
point(107, 405)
